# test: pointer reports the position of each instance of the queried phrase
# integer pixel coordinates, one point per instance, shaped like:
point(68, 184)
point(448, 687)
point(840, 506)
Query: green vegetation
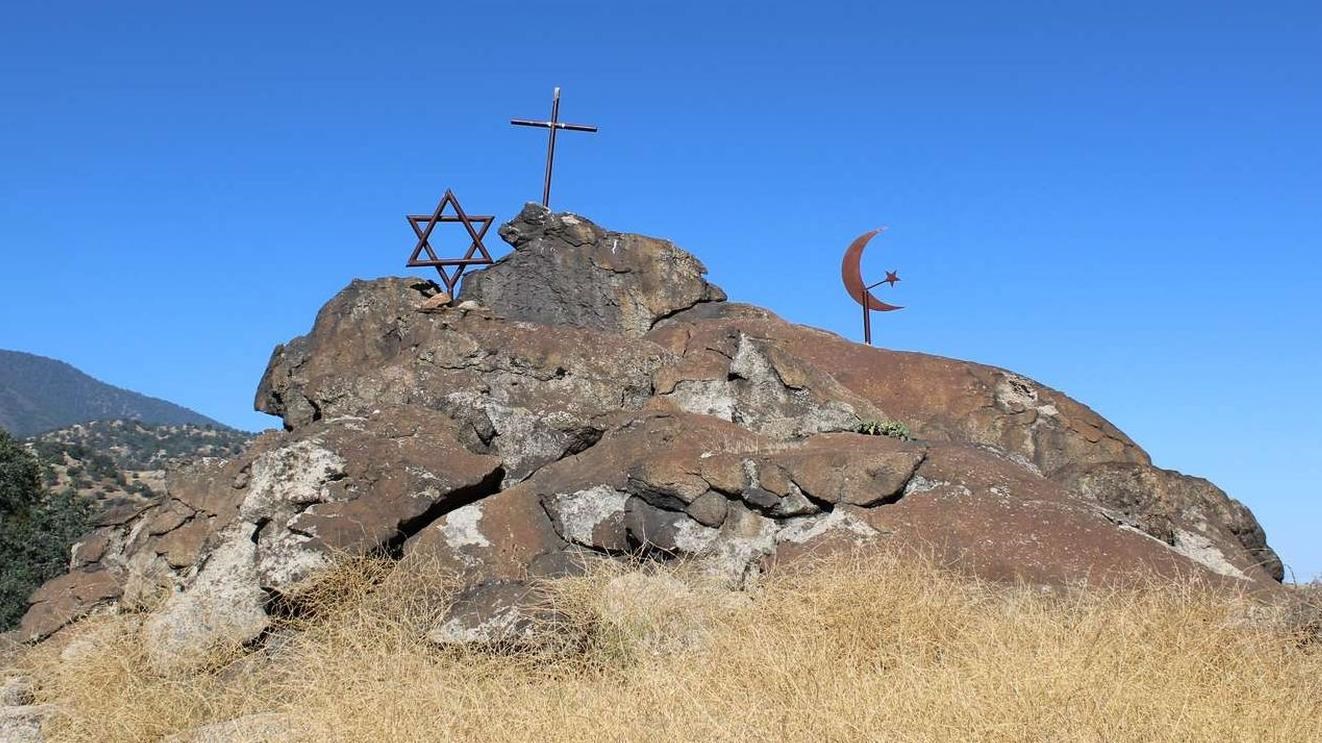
point(37, 527)
point(894, 429)
point(105, 447)
point(50, 485)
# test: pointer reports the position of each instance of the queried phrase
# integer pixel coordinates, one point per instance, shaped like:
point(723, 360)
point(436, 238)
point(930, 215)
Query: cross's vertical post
point(554, 125)
point(550, 147)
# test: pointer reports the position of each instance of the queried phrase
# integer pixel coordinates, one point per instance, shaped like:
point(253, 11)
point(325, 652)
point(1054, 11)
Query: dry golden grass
point(851, 649)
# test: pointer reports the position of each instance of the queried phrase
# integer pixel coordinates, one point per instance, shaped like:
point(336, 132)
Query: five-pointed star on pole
point(891, 278)
point(423, 224)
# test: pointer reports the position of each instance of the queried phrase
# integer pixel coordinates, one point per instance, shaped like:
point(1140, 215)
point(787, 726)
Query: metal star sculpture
point(423, 224)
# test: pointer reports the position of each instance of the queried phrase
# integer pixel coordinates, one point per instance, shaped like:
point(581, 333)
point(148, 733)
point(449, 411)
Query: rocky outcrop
point(1190, 514)
point(939, 399)
point(234, 536)
point(592, 397)
point(565, 270)
point(528, 393)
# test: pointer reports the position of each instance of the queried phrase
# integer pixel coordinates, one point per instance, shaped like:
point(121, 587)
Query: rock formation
point(591, 396)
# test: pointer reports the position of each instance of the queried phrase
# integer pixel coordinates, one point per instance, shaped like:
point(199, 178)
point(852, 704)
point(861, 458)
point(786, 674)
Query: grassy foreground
point(850, 649)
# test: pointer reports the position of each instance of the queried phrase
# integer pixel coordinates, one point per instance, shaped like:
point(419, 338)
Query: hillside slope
point(39, 394)
point(120, 462)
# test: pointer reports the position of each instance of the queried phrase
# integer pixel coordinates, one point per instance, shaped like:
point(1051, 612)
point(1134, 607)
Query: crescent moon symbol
point(851, 271)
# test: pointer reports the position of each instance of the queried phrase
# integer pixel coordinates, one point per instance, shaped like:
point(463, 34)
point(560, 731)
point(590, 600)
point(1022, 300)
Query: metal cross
point(554, 124)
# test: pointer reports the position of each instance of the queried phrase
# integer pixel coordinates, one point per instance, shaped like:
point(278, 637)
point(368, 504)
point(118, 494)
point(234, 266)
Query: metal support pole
point(550, 148)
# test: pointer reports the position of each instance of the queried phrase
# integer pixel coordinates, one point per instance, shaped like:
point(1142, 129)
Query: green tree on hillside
point(36, 528)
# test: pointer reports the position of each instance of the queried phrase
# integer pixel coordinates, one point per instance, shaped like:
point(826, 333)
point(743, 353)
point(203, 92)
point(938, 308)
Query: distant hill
point(113, 462)
point(134, 445)
point(38, 394)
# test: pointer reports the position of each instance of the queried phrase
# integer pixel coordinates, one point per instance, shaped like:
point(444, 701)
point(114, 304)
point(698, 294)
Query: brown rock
point(565, 270)
point(990, 517)
point(772, 478)
point(757, 382)
point(207, 486)
point(90, 548)
point(592, 517)
point(437, 303)
point(939, 399)
point(497, 537)
point(168, 517)
point(851, 468)
point(724, 472)
point(66, 598)
point(400, 466)
point(1189, 513)
point(667, 481)
point(709, 509)
point(652, 529)
point(122, 512)
point(528, 393)
point(183, 546)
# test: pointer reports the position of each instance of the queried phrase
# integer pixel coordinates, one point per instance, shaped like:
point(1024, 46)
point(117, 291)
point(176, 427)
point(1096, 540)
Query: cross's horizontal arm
point(555, 124)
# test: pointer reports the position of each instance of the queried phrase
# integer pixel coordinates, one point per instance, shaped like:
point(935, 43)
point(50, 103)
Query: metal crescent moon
point(851, 271)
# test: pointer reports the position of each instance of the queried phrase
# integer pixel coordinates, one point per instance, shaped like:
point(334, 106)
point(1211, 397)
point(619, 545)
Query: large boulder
point(592, 397)
point(939, 399)
point(565, 270)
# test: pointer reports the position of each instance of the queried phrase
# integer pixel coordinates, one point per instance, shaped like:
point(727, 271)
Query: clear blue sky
point(1122, 200)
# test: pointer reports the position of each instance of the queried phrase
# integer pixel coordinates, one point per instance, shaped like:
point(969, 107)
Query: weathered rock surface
point(67, 597)
point(1190, 514)
point(500, 613)
point(23, 724)
point(593, 397)
point(566, 270)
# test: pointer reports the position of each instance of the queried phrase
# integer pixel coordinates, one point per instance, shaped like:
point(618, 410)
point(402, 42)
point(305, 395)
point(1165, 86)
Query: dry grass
point(852, 649)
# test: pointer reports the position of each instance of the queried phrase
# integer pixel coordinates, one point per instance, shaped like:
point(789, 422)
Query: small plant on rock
point(894, 429)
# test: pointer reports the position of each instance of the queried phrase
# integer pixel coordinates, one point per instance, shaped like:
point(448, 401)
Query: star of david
point(423, 254)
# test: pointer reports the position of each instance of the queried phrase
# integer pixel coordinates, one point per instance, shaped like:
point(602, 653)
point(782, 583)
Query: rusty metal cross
point(554, 125)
